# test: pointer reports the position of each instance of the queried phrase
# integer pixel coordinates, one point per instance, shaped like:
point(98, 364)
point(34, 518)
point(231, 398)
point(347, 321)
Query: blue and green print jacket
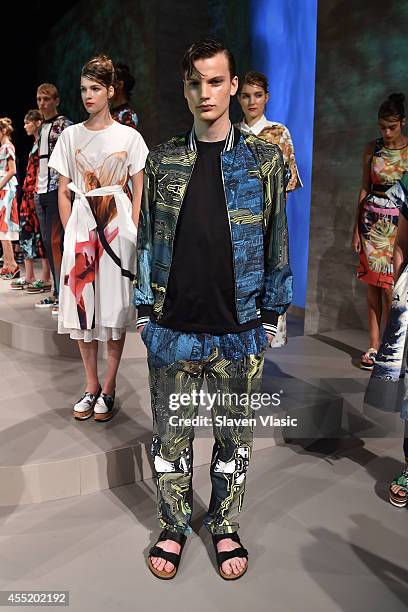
point(253, 176)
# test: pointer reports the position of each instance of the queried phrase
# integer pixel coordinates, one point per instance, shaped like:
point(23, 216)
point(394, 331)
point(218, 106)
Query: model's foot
point(368, 359)
point(19, 284)
point(10, 273)
point(38, 286)
point(161, 564)
point(84, 407)
point(55, 308)
point(103, 410)
point(47, 302)
point(234, 565)
point(399, 489)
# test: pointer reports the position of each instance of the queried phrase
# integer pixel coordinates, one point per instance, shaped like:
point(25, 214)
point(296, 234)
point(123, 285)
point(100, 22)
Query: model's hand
point(270, 338)
point(356, 241)
point(140, 329)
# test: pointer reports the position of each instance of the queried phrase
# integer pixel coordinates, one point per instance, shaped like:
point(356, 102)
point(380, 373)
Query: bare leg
point(45, 270)
point(387, 301)
point(115, 349)
point(89, 354)
point(29, 270)
point(9, 260)
point(374, 302)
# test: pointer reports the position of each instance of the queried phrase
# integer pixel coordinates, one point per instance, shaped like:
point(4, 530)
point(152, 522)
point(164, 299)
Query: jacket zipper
point(232, 244)
point(160, 315)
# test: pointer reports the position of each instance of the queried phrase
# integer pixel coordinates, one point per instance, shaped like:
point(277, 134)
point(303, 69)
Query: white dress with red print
point(9, 229)
point(99, 260)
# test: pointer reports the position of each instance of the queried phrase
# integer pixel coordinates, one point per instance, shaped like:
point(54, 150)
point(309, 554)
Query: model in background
point(121, 110)
point(31, 242)
point(384, 162)
point(253, 96)
point(388, 385)
point(46, 200)
point(213, 277)
point(94, 160)
point(9, 227)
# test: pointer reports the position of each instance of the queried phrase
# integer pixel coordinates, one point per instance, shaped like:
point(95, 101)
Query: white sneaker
point(84, 407)
point(103, 410)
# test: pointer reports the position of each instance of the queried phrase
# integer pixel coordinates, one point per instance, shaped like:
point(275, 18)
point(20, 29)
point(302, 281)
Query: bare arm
point(64, 200)
point(137, 188)
point(11, 165)
point(400, 255)
point(365, 189)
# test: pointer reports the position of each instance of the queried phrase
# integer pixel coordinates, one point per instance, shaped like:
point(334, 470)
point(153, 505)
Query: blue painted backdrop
point(283, 38)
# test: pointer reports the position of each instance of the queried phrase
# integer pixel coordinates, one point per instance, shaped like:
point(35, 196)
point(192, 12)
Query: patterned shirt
point(277, 134)
point(126, 115)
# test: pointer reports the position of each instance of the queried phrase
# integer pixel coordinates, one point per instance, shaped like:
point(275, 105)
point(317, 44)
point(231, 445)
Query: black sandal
point(224, 556)
point(174, 558)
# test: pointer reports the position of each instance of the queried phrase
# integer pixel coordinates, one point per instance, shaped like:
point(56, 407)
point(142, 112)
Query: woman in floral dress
point(384, 162)
point(9, 227)
point(31, 242)
point(253, 96)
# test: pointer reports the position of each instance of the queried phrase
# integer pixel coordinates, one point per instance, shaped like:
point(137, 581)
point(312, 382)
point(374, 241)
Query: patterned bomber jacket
point(253, 177)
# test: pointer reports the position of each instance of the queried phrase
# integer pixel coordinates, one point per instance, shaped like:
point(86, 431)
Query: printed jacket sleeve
point(142, 295)
point(277, 291)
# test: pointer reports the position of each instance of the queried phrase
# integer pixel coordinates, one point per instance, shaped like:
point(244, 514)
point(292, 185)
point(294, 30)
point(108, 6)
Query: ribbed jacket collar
point(192, 139)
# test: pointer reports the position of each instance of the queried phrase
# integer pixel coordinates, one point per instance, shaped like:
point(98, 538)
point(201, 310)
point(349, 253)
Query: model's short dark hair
point(123, 74)
point(255, 78)
point(393, 107)
point(100, 69)
point(204, 49)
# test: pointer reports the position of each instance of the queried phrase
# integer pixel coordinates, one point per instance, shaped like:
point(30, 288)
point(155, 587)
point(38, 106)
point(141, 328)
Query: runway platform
point(47, 455)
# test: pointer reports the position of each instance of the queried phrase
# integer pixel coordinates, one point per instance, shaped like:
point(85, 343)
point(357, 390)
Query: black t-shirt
point(200, 294)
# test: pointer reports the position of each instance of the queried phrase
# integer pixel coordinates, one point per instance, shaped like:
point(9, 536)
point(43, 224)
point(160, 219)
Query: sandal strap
point(230, 554)
point(174, 558)
point(401, 480)
point(174, 536)
point(217, 537)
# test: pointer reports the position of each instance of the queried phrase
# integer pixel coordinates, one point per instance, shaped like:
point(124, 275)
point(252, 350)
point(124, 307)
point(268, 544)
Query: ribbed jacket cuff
point(143, 314)
point(270, 321)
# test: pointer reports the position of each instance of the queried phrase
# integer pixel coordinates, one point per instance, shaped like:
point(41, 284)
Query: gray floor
point(320, 532)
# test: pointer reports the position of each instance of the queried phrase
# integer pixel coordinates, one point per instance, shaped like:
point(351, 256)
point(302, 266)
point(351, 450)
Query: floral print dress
point(379, 218)
point(9, 227)
point(30, 237)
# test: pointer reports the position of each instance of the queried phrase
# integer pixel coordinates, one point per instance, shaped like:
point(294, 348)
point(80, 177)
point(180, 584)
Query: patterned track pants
point(172, 449)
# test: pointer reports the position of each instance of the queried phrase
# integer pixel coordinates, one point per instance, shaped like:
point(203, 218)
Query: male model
point(213, 277)
point(46, 197)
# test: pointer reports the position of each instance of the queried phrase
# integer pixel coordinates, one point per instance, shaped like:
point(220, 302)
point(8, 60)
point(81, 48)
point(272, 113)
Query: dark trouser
point(173, 436)
point(46, 205)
